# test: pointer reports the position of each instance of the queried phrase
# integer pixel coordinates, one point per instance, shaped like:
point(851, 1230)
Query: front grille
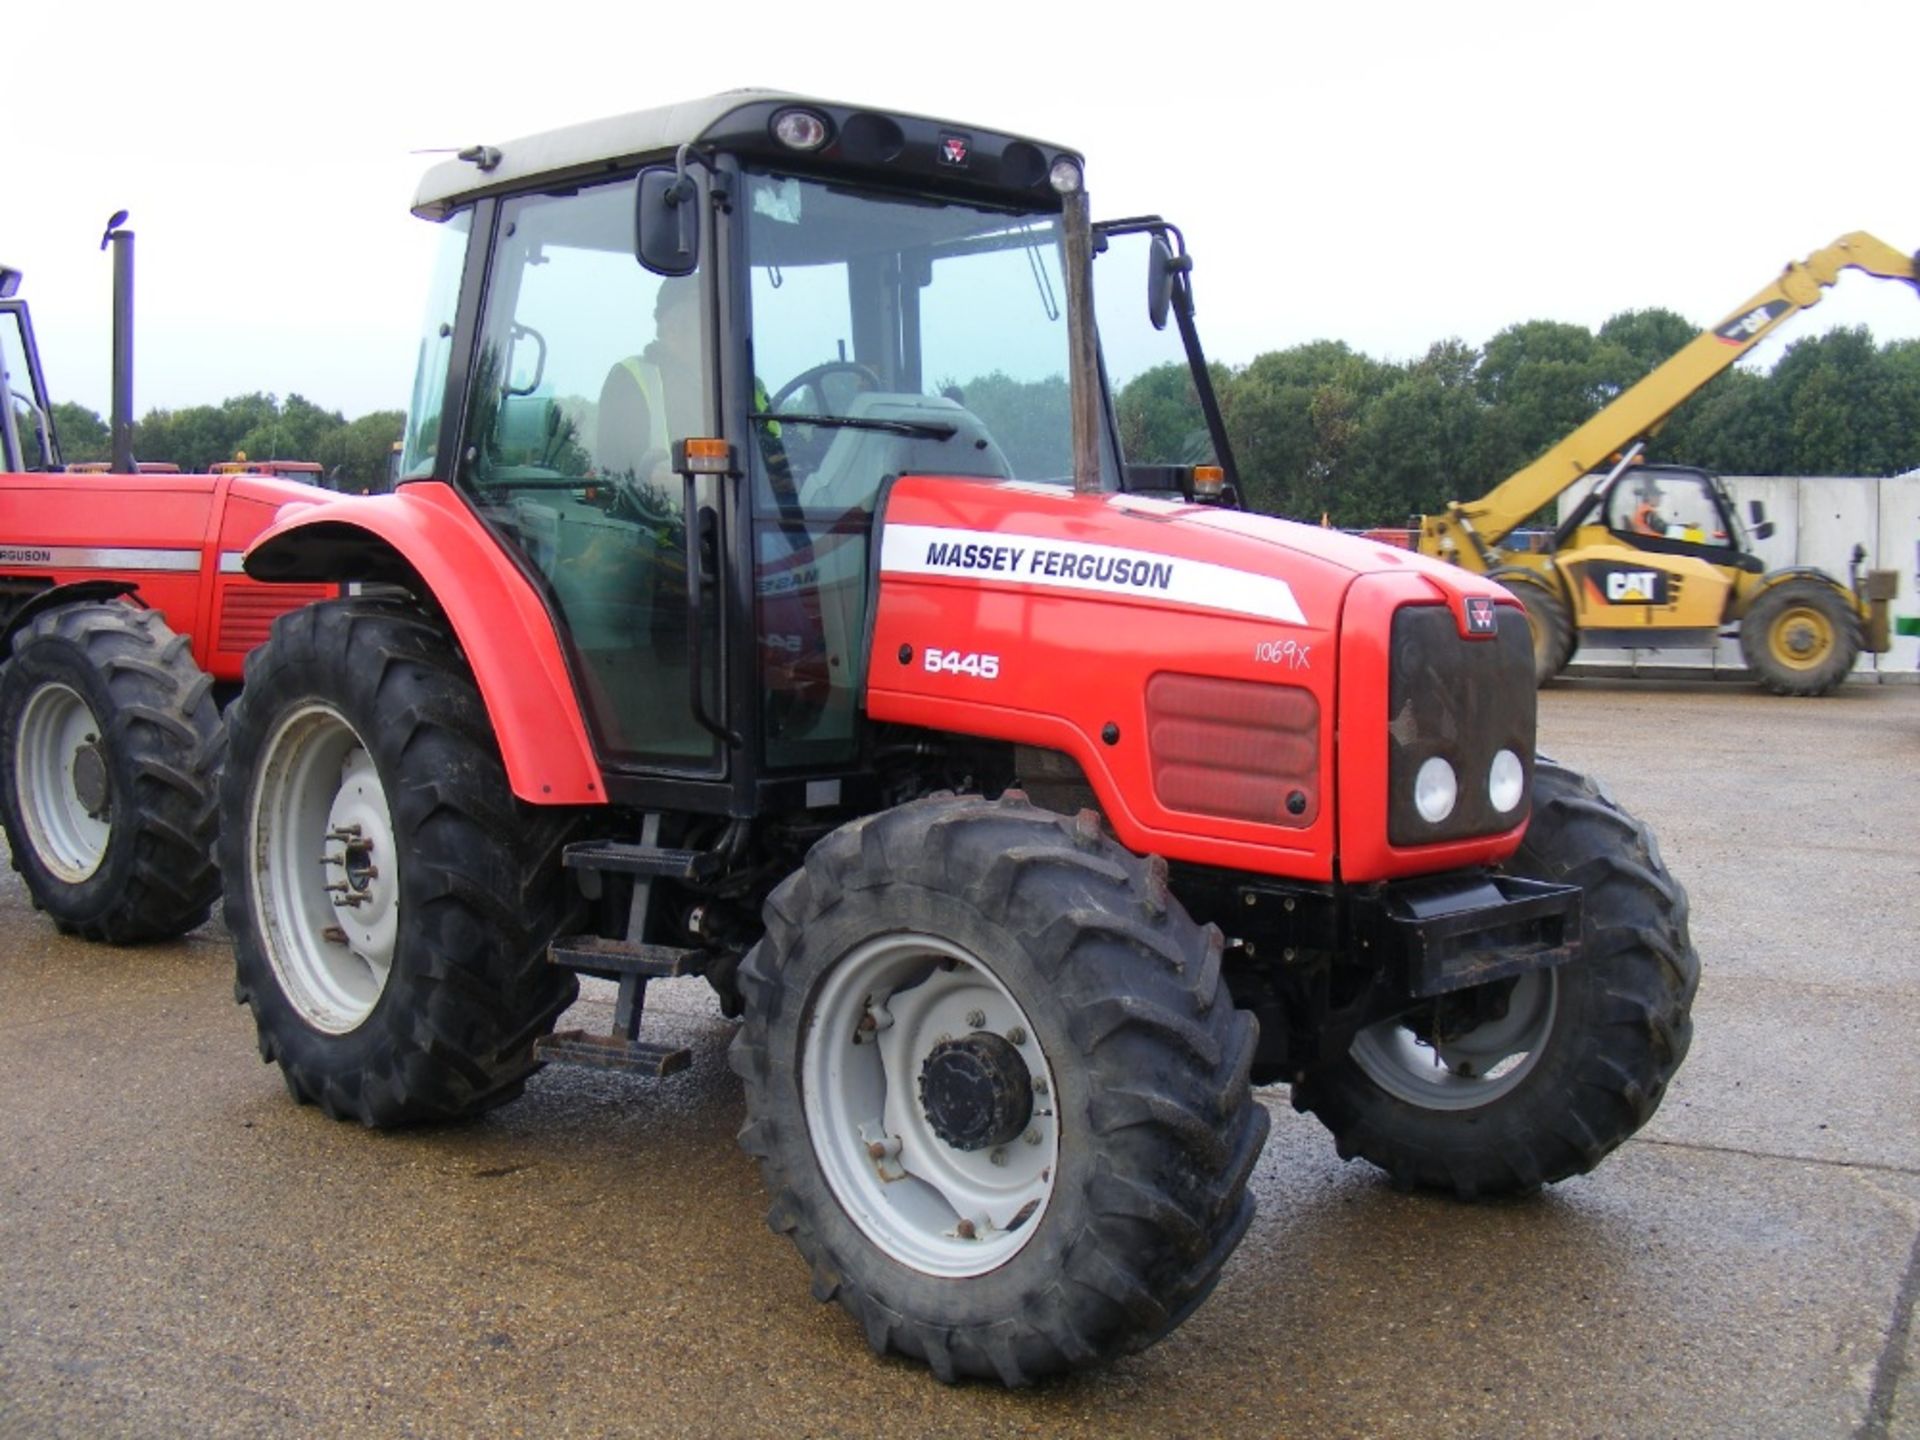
point(1234, 749)
point(1464, 700)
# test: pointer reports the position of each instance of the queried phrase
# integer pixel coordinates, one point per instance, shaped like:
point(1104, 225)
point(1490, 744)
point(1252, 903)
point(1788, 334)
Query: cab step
point(611, 959)
point(617, 857)
point(611, 1052)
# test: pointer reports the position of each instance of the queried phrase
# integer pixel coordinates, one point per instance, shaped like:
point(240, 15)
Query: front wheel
point(390, 901)
point(1800, 637)
point(996, 1088)
point(110, 737)
point(1503, 1088)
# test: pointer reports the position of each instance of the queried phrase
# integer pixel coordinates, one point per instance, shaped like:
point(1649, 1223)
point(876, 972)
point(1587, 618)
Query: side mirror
point(1159, 282)
point(1757, 513)
point(667, 223)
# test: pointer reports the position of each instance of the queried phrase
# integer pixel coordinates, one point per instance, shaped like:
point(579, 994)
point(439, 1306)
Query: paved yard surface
point(185, 1251)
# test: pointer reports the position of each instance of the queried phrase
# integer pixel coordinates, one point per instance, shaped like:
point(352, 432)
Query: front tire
point(1800, 637)
point(996, 1088)
point(1556, 1068)
point(110, 736)
point(390, 901)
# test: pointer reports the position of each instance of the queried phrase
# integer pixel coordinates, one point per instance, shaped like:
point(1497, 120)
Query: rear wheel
point(1800, 637)
point(996, 1088)
point(1507, 1087)
point(390, 901)
point(110, 736)
point(1547, 617)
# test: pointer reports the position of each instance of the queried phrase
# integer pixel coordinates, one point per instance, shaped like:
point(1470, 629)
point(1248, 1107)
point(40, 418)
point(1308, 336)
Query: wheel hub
point(976, 1091)
point(1801, 640)
point(90, 777)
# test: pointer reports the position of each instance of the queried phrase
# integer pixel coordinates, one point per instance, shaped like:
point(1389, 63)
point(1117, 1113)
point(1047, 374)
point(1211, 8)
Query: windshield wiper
point(918, 429)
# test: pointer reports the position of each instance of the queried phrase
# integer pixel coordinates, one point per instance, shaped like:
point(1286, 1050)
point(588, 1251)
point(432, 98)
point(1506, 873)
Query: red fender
point(425, 534)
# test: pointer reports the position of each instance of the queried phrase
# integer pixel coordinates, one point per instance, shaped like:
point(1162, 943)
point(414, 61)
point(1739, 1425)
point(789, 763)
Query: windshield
point(916, 336)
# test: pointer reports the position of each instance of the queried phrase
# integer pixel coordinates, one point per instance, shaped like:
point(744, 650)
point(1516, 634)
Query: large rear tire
point(390, 901)
point(110, 736)
point(1547, 617)
point(1800, 637)
point(996, 1088)
point(1560, 1066)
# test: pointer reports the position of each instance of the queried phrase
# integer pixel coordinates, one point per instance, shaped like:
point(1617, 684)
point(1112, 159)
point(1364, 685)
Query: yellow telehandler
point(1655, 554)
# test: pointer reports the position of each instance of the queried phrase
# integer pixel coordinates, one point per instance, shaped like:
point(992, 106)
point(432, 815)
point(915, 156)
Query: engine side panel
point(1117, 631)
point(176, 538)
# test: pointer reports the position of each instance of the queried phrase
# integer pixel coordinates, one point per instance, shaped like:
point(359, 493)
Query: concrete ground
point(185, 1251)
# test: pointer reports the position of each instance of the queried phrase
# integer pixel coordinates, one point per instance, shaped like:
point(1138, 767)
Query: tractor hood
point(1018, 535)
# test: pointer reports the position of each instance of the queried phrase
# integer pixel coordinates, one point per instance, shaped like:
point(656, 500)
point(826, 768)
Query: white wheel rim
point(926, 1204)
point(56, 726)
point(325, 870)
point(1469, 1070)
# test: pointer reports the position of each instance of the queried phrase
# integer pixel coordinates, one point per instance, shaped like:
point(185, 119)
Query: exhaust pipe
point(122, 243)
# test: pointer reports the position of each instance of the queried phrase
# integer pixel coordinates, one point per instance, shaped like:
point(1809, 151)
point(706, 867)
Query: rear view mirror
point(1159, 282)
point(1757, 513)
point(667, 223)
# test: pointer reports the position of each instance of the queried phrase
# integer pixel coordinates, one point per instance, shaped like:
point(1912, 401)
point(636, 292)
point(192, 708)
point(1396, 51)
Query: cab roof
point(581, 151)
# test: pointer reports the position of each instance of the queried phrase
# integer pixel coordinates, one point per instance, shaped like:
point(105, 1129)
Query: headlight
point(800, 129)
point(1435, 788)
point(1065, 175)
point(1506, 781)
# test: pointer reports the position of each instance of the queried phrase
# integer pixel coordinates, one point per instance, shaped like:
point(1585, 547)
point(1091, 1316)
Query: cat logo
point(1633, 587)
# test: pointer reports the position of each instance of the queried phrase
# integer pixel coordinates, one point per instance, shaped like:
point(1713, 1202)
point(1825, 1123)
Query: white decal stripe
point(1077, 565)
point(78, 557)
point(230, 562)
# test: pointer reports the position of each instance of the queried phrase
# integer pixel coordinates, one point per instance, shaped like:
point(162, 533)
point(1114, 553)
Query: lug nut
point(1032, 1137)
point(977, 1019)
point(999, 1157)
point(1017, 1036)
point(964, 1229)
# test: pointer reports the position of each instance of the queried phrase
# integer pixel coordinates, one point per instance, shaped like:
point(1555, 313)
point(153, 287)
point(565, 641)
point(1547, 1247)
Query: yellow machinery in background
point(1655, 554)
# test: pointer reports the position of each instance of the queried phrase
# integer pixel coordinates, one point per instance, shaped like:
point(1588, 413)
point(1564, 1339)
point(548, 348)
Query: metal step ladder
point(632, 963)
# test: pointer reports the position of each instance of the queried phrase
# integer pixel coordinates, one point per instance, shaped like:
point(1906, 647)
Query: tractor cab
point(27, 440)
point(826, 299)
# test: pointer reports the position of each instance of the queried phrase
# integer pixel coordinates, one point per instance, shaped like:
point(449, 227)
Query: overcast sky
point(1383, 174)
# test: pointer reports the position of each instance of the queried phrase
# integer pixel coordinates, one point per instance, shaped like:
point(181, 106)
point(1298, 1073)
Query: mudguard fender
point(425, 537)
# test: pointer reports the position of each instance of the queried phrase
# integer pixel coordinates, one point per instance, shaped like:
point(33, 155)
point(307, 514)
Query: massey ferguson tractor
point(124, 620)
point(766, 597)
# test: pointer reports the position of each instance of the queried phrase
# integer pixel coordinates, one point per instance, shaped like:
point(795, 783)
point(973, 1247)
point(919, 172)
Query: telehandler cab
point(767, 598)
point(1656, 555)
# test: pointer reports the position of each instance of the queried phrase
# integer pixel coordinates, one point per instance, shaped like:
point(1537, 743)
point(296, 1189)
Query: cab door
point(587, 368)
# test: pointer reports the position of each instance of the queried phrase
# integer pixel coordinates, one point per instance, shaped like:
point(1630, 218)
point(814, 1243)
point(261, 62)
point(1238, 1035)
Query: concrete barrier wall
point(1817, 521)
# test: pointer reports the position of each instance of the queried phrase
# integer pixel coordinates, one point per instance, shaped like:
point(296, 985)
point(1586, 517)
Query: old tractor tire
point(390, 900)
point(110, 735)
point(1800, 637)
point(996, 1088)
point(1574, 1062)
point(1547, 617)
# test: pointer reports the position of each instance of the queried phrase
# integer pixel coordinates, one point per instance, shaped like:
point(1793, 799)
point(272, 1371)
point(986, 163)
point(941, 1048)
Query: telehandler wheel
point(1547, 618)
point(1800, 637)
point(390, 901)
point(996, 1088)
point(1542, 1076)
point(110, 737)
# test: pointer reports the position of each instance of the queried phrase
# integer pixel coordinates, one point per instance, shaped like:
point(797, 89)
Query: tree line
point(351, 453)
point(1320, 429)
point(1317, 429)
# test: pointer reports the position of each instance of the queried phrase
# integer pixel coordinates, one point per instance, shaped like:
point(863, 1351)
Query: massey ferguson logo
point(1743, 328)
point(954, 150)
point(1479, 615)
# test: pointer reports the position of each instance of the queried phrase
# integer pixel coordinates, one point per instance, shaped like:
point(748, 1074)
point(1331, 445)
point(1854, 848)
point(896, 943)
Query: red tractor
point(766, 597)
point(125, 620)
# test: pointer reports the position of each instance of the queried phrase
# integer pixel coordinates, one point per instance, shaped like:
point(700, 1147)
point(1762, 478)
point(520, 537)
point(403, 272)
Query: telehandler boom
point(1656, 556)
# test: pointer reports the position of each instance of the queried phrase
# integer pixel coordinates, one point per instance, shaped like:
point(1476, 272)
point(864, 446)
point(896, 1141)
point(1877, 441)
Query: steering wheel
point(813, 379)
